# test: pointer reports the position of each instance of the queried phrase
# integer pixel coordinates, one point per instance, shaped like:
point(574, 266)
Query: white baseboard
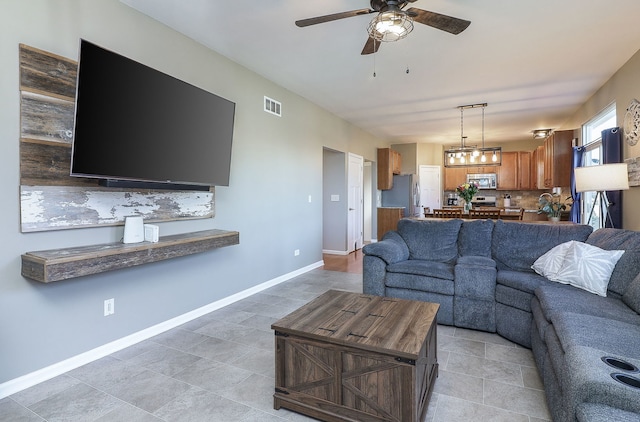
point(330, 252)
point(59, 368)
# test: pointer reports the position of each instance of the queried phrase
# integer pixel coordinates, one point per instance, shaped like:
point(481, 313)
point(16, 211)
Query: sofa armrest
point(391, 249)
point(374, 272)
point(475, 277)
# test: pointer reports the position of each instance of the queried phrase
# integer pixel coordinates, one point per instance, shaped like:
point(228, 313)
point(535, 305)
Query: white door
point(355, 216)
point(368, 201)
point(430, 187)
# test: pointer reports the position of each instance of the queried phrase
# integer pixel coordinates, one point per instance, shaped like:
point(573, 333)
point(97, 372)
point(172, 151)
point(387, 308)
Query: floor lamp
point(600, 179)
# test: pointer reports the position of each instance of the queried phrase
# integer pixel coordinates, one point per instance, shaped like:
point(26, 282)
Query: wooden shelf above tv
point(61, 264)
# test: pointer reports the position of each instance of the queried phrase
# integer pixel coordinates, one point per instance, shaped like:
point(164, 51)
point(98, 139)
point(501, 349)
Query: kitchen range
point(477, 201)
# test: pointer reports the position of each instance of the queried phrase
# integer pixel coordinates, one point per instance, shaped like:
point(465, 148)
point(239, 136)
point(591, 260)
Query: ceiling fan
point(393, 22)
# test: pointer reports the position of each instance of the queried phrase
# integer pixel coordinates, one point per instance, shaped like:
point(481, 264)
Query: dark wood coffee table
point(354, 357)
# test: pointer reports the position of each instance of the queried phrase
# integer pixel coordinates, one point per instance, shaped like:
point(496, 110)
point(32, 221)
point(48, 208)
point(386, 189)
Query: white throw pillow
point(588, 267)
point(551, 262)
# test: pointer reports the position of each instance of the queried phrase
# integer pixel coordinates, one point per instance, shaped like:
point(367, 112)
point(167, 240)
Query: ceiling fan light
point(390, 26)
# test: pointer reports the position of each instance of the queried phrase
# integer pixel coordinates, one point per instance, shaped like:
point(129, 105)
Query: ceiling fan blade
point(334, 17)
point(436, 20)
point(371, 46)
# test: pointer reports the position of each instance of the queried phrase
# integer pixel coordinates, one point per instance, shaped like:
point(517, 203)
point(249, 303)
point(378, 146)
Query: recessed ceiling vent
point(272, 106)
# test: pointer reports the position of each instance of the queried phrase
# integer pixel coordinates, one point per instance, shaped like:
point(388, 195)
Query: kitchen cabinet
point(508, 171)
point(515, 171)
point(388, 219)
point(482, 169)
point(453, 177)
point(524, 168)
point(537, 168)
point(558, 158)
point(396, 162)
point(389, 163)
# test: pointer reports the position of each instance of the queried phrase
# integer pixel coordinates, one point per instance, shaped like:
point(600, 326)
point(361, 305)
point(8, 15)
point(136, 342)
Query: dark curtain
point(611, 154)
point(575, 215)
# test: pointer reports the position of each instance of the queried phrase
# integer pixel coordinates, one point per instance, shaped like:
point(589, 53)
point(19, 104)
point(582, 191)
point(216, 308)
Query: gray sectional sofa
point(480, 272)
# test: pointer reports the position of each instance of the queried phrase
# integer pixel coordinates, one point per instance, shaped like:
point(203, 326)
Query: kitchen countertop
point(503, 219)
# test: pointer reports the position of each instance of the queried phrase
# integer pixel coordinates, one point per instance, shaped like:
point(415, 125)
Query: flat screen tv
point(135, 126)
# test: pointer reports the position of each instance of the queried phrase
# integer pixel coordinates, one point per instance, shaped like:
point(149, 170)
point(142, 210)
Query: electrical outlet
point(109, 307)
point(296, 252)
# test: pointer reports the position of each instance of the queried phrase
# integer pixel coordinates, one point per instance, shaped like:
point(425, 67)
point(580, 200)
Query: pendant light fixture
point(470, 155)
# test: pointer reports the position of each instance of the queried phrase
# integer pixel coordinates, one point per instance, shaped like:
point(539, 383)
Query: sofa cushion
point(475, 260)
point(598, 412)
point(425, 268)
point(628, 267)
point(414, 282)
point(431, 240)
point(515, 288)
point(615, 337)
point(516, 246)
point(631, 296)
point(475, 238)
point(513, 297)
point(527, 281)
point(557, 298)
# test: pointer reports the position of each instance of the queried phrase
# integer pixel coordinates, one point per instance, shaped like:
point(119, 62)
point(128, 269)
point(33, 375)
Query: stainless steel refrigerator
point(405, 193)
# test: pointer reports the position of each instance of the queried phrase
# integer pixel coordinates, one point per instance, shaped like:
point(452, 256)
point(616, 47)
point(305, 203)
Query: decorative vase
point(467, 207)
point(554, 219)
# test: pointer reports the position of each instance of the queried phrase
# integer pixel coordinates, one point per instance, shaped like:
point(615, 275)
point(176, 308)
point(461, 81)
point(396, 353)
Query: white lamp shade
point(601, 178)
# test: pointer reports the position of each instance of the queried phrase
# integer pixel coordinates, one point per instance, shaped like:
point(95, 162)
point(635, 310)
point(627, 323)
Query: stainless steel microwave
point(484, 181)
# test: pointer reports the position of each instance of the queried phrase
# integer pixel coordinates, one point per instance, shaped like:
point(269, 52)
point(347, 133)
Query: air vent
point(272, 106)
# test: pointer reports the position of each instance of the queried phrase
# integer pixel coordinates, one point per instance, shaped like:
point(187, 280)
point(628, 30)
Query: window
point(592, 141)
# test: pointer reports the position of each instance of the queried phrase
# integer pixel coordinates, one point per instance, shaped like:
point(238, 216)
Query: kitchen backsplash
point(523, 199)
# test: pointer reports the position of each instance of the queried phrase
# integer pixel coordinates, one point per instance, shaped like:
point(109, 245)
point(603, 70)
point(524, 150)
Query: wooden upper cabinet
point(524, 167)
point(389, 163)
point(537, 168)
point(396, 162)
point(482, 170)
point(515, 171)
point(508, 171)
point(454, 176)
point(558, 158)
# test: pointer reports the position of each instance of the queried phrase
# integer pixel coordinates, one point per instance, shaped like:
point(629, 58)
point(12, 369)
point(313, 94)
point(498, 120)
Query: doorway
point(355, 202)
point(430, 187)
point(343, 186)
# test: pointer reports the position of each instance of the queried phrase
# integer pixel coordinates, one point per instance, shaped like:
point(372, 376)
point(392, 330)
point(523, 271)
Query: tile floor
point(220, 367)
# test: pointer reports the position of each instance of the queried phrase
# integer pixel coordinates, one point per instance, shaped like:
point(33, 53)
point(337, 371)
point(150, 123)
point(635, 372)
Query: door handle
point(352, 209)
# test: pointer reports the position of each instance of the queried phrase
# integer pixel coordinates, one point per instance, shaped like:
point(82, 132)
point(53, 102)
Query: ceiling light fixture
point(466, 155)
point(390, 25)
point(541, 133)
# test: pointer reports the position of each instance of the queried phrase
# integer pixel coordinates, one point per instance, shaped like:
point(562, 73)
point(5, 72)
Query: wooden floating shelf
point(61, 264)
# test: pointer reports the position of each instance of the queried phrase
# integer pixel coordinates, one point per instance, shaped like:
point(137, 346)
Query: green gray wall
point(276, 165)
point(621, 88)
